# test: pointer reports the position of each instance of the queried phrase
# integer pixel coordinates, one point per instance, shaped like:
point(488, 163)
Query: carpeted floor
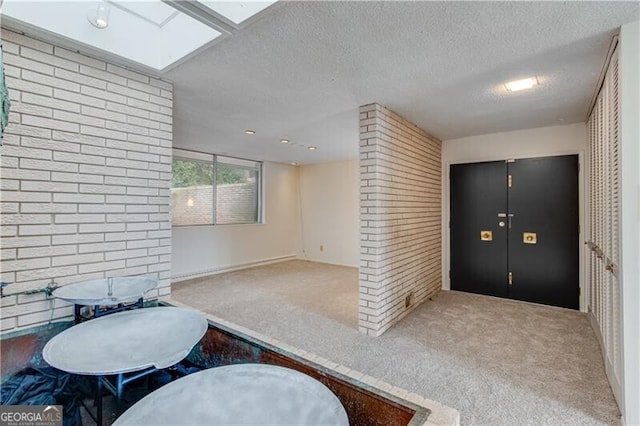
point(497, 361)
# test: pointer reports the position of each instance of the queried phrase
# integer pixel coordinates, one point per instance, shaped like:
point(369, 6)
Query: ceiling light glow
point(285, 141)
point(525, 83)
point(293, 163)
point(312, 148)
point(250, 132)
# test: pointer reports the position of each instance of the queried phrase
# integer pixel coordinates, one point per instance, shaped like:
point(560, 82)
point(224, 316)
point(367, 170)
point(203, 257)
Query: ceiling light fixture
point(294, 163)
point(99, 17)
point(312, 148)
point(250, 132)
point(525, 83)
point(284, 140)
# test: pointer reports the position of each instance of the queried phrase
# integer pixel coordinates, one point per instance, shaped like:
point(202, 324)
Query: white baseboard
point(615, 384)
point(230, 268)
point(307, 259)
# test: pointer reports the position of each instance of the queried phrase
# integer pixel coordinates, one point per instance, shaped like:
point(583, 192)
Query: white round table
point(114, 291)
point(125, 342)
point(255, 394)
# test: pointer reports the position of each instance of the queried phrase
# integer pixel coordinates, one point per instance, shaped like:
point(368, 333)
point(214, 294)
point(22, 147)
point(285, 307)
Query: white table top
point(126, 341)
point(239, 394)
point(96, 292)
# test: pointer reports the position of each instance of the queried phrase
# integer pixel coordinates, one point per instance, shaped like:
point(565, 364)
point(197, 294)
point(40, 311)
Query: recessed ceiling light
point(312, 148)
point(525, 83)
point(284, 140)
point(250, 132)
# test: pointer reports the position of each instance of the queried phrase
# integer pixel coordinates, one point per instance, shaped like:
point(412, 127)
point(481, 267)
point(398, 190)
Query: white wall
point(330, 212)
point(540, 142)
point(203, 250)
point(630, 220)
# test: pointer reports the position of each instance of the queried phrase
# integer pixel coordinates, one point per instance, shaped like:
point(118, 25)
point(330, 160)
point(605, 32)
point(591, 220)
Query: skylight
point(237, 11)
point(156, 12)
point(150, 33)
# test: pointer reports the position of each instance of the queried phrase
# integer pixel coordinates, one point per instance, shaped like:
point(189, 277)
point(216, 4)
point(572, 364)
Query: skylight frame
point(162, 51)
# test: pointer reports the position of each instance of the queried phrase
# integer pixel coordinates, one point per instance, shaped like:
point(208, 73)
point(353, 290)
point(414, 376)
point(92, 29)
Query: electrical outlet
point(321, 248)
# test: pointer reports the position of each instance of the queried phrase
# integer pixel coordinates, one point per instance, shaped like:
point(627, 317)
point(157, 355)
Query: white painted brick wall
point(400, 216)
point(85, 177)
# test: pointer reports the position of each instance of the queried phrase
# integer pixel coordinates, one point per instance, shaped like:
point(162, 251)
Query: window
point(209, 189)
point(237, 189)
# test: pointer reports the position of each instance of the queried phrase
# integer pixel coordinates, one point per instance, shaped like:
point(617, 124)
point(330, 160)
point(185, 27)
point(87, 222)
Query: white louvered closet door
point(604, 237)
point(591, 129)
point(614, 229)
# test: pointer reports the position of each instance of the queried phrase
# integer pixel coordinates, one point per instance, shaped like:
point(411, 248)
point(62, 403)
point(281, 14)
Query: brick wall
point(197, 212)
point(400, 215)
point(194, 205)
point(86, 169)
point(237, 203)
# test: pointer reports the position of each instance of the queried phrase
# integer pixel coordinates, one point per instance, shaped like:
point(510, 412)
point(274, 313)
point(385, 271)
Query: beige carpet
point(497, 361)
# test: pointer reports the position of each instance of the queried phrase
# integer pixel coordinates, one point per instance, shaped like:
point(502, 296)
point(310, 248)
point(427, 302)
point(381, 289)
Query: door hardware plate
point(529, 238)
point(486, 235)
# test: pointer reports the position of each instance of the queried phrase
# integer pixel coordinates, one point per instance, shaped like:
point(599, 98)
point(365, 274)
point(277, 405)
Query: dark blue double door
point(514, 229)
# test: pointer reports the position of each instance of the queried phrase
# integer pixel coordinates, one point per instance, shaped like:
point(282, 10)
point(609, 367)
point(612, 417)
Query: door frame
point(582, 220)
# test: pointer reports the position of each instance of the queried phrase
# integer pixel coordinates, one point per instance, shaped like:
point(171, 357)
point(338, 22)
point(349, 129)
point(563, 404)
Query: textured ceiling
point(301, 71)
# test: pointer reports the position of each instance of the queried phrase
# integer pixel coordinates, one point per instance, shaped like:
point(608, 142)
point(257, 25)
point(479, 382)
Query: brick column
point(400, 216)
